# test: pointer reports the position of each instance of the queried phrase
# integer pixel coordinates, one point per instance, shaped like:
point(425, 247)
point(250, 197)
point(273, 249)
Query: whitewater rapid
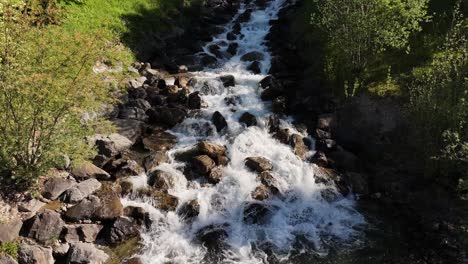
point(300, 214)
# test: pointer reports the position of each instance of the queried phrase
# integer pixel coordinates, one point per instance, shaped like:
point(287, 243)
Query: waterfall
point(299, 218)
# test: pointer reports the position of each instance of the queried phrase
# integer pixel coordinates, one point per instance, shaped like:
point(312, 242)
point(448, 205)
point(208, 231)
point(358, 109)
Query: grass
point(9, 248)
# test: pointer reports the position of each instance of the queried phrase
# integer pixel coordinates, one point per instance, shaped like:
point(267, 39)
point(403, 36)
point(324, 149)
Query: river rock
point(44, 227)
point(83, 232)
point(139, 103)
point(255, 67)
point(232, 48)
point(31, 206)
point(136, 83)
point(194, 100)
point(252, 56)
point(299, 148)
point(131, 129)
point(215, 175)
point(134, 260)
point(87, 170)
point(111, 206)
point(9, 231)
point(121, 230)
point(219, 121)
point(211, 149)
point(60, 251)
point(213, 236)
point(269, 82)
point(267, 179)
point(231, 36)
point(209, 61)
point(84, 209)
point(245, 16)
point(331, 178)
point(164, 201)
point(139, 215)
point(161, 180)
point(282, 134)
point(169, 116)
point(7, 259)
point(228, 80)
point(54, 187)
point(189, 210)
point(128, 168)
point(261, 193)
point(154, 160)
point(133, 113)
point(159, 141)
point(270, 94)
point(85, 253)
point(81, 191)
point(258, 164)
point(248, 119)
point(203, 164)
point(112, 145)
point(34, 254)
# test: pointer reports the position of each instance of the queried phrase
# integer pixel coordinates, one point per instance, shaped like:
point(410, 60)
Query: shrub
point(46, 83)
point(359, 30)
point(9, 248)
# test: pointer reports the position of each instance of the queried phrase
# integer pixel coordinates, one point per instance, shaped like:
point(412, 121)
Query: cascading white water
point(299, 212)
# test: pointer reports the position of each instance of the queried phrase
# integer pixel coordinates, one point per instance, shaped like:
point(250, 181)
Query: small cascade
point(230, 226)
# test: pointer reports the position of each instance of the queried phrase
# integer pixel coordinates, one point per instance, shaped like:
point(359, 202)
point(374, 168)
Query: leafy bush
point(359, 30)
point(438, 107)
point(9, 248)
point(46, 83)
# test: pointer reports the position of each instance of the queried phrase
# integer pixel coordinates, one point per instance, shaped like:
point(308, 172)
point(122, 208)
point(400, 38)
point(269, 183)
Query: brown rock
point(261, 193)
point(203, 164)
point(211, 149)
point(258, 164)
point(87, 170)
point(159, 141)
point(297, 143)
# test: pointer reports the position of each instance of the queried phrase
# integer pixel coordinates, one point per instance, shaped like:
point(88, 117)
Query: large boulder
point(133, 113)
point(159, 140)
point(44, 227)
point(128, 168)
point(258, 164)
point(112, 145)
point(248, 119)
point(267, 179)
point(255, 67)
point(105, 206)
point(215, 175)
point(84, 253)
point(139, 215)
point(219, 121)
point(203, 164)
point(54, 187)
point(211, 149)
point(329, 177)
point(261, 193)
point(81, 191)
point(34, 254)
point(121, 230)
point(297, 143)
point(10, 231)
point(87, 170)
point(253, 56)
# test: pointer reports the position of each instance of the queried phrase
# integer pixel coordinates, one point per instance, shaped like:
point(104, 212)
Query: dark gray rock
point(34, 254)
point(44, 227)
point(121, 230)
point(81, 191)
point(154, 160)
point(228, 80)
point(219, 121)
point(194, 100)
point(248, 119)
point(10, 231)
point(253, 56)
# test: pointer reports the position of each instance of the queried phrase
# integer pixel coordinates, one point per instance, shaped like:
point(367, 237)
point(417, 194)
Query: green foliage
point(438, 107)
point(46, 83)
point(360, 30)
point(9, 248)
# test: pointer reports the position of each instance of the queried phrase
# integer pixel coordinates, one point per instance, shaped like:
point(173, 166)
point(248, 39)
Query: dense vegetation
point(47, 52)
point(414, 52)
